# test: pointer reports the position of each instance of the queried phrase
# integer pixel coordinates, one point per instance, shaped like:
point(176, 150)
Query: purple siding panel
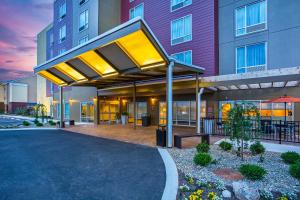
point(57, 24)
point(158, 15)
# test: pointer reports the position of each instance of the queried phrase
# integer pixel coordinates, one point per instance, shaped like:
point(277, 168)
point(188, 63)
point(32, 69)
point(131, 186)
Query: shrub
point(39, 124)
point(202, 159)
point(52, 123)
point(295, 170)
point(226, 146)
point(290, 157)
point(26, 123)
point(257, 148)
point(202, 147)
point(252, 172)
point(36, 121)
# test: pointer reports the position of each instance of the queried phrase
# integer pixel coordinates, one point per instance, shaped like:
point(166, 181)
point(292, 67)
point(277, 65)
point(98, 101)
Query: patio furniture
point(178, 139)
point(146, 120)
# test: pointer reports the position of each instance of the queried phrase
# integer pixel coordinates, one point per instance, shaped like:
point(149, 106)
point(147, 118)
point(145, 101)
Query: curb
point(27, 129)
point(171, 187)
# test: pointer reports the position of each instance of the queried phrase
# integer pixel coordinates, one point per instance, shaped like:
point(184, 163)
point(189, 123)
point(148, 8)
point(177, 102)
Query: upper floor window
point(131, 1)
point(62, 10)
point(251, 58)
point(81, 2)
point(51, 39)
point(84, 40)
point(62, 33)
point(181, 30)
point(84, 20)
point(184, 57)
point(61, 51)
point(137, 11)
point(251, 18)
point(177, 4)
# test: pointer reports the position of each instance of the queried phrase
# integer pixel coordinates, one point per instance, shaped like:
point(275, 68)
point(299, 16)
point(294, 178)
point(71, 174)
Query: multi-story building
point(243, 46)
point(18, 94)
point(258, 37)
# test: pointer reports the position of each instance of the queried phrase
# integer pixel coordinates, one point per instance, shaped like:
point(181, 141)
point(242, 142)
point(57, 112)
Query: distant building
point(18, 94)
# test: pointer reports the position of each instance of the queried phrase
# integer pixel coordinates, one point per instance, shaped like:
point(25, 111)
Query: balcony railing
point(275, 130)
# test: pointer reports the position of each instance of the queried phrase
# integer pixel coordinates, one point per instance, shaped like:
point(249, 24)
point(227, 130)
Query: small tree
point(242, 124)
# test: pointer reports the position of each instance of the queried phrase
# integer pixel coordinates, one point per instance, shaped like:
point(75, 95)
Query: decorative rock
point(243, 192)
point(228, 174)
point(226, 194)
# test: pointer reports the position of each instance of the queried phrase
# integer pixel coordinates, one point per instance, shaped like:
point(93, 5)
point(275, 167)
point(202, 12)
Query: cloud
point(9, 61)
point(12, 74)
point(26, 48)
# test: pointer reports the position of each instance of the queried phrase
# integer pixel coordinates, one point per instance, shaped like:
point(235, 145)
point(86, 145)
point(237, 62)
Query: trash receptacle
point(72, 122)
point(161, 136)
point(146, 120)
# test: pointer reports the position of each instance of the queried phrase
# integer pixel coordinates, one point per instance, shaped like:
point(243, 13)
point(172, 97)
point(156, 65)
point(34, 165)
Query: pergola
point(126, 54)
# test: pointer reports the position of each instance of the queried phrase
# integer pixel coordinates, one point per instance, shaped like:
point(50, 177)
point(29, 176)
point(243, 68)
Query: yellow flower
point(199, 192)
point(211, 196)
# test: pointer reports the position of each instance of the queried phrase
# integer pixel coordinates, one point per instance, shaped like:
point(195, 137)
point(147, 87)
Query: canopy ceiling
point(127, 53)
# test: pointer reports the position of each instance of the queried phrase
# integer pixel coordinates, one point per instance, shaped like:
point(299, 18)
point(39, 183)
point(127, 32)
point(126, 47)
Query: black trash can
point(146, 120)
point(161, 136)
point(72, 122)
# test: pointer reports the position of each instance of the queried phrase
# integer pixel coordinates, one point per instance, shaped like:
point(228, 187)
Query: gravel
point(277, 178)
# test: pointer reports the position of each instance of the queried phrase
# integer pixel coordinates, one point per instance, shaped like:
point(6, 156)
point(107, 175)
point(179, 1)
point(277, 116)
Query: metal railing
point(275, 130)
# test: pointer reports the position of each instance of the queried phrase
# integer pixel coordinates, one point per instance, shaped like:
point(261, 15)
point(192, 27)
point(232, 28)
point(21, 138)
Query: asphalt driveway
point(6, 121)
point(60, 165)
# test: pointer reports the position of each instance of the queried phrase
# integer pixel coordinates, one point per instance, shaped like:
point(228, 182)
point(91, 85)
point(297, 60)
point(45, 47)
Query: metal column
point(61, 99)
point(169, 96)
point(197, 104)
point(198, 121)
point(134, 105)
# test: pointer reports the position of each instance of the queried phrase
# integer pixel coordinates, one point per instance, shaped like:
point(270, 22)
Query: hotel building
point(249, 50)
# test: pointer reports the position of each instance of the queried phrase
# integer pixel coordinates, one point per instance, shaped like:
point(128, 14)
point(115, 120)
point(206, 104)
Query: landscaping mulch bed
point(225, 168)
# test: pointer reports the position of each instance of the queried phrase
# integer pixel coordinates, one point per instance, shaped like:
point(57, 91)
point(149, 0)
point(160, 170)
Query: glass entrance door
point(141, 110)
point(108, 111)
point(87, 111)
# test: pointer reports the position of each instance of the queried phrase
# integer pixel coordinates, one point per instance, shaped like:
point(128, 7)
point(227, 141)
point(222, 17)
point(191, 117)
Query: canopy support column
point(197, 104)
point(97, 110)
point(198, 108)
point(134, 105)
point(169, 96)
point(61, 100)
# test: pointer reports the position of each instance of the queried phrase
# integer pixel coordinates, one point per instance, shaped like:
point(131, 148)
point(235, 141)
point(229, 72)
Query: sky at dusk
point(20, 21)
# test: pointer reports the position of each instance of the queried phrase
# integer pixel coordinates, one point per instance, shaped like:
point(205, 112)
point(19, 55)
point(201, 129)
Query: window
point(62, 10)
point(84, 40)
point(67, 111)
point(51, 53)
point(251, 18)
point(251, 58)
point(61, 51)
point(84, 20)
point(62, 33)
point(177, 4)
point(137, 11)
point(51, 39)
point(181, 30)
point(81, 2)
point(131, 1)
point(184, 57)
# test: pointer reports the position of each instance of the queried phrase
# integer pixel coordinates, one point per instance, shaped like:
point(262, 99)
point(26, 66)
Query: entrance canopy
point(128, 53)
